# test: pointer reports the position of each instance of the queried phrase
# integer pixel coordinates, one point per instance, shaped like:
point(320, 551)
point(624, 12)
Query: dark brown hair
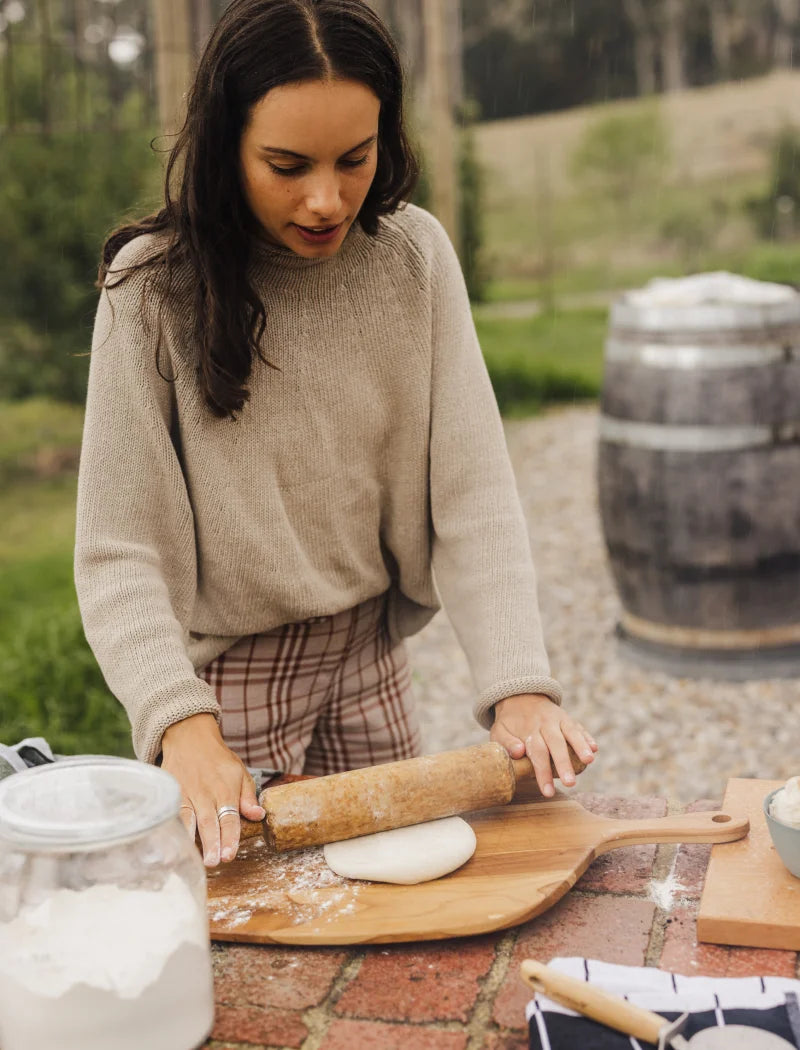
point(258, 45)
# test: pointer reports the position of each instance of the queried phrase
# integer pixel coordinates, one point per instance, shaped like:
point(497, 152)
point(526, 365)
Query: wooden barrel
point(699, 484)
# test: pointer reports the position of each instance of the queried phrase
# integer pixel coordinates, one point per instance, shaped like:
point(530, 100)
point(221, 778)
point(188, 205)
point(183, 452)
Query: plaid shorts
point(319, 696)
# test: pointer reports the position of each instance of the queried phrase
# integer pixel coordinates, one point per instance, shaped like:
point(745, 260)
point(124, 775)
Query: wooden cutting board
point(749, 898)
point(529, 854)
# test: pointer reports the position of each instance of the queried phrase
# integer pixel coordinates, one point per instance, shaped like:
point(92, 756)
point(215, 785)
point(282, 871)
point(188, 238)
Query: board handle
point(585, 999)
point(683, 827)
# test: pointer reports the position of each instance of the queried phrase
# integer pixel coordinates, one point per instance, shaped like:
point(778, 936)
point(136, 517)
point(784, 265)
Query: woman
point(289, 431)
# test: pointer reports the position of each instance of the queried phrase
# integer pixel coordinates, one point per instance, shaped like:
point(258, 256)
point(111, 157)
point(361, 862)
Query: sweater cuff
point(157, 715)
point(484, 706)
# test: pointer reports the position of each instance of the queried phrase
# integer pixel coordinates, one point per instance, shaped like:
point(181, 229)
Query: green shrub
point(50, 684)
point(58, 198)
point(542, 360)
point(38, 438)
point(471, 212)
point(522, 391)
point(620, 155)
point(771, 261)
point(690, 227)
point(777, 211)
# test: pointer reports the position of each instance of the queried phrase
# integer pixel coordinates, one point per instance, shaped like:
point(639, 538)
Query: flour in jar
point(107, 968)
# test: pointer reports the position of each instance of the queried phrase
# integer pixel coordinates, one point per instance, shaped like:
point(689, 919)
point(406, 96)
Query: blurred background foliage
point(676, 149)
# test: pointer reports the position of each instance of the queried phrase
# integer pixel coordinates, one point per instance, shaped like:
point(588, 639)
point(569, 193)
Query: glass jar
point(104, 941)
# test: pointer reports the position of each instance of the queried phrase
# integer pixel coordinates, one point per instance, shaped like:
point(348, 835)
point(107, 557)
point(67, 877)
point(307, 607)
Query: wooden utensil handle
point(523, 767)
point(251, 829)
point(684, 827)
point(592, 1002)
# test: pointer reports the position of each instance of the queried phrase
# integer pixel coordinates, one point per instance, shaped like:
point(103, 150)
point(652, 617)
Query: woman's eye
point(285, 171)
point(301, 167)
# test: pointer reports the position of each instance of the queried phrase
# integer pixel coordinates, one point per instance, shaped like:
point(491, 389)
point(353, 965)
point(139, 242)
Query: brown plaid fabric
point(320, 696)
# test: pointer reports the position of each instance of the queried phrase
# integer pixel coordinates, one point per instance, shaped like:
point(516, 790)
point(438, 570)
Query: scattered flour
point(298, 885)
point(662, 892)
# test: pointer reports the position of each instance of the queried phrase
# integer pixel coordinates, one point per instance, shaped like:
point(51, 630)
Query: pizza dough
point(404, 855)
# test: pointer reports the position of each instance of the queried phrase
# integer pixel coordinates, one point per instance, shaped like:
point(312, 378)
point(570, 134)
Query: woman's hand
point(211, 776)
point(532, 724)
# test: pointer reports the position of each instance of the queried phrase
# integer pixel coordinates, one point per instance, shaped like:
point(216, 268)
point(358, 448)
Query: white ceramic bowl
point(785, 838)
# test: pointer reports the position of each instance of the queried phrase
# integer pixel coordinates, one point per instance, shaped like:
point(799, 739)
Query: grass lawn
point(761, 260)
point(50, 684)
point(544, 220)
point(544, 359)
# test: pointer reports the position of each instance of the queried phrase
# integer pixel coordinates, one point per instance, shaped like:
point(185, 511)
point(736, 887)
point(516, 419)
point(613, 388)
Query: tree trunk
point(645, 59)
point(787, 13)
point(644, 50)
point(440, 132)
point(762, 39)
point(721, 37)
point(174, 60)
point(202, 24)
point(673, 70)
point(455, 47)
point(406, 18)
point(45, 44)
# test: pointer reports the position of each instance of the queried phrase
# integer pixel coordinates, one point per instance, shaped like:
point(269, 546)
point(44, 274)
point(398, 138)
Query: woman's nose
point(324, 197)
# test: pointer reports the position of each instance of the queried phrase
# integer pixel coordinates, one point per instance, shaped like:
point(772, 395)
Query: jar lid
point(83, 802)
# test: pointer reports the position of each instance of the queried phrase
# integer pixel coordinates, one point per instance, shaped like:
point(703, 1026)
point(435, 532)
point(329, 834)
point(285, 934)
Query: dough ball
point(409, 855)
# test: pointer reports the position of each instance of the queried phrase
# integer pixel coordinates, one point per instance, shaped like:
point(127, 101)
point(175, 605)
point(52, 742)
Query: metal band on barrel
point(661, 355)
point(670, 438)
point(704, 638)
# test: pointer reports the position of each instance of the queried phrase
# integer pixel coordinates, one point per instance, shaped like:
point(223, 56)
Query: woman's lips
point(322, 237)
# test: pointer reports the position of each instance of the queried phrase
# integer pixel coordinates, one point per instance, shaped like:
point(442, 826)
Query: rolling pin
point(377, 798)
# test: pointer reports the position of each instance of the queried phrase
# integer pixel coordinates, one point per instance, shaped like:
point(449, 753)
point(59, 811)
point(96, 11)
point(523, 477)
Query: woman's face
point(307, 158)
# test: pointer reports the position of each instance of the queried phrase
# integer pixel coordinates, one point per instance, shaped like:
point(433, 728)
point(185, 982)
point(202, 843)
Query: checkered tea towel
point(770, 1003)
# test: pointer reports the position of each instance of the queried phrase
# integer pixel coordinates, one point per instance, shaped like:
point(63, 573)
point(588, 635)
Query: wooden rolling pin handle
point(592, 1002)
point(251, 829)
point(523, 767)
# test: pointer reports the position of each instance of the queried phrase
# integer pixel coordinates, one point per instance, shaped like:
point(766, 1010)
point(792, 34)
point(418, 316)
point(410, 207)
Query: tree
point(787, 15)
point(720, 19)
point(673, 69)
point(644, 46)
point(620, 154)
point(172, 21)
point(439, 129)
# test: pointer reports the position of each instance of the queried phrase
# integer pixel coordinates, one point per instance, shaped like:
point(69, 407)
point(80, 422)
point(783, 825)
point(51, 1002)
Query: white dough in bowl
point(409, 855)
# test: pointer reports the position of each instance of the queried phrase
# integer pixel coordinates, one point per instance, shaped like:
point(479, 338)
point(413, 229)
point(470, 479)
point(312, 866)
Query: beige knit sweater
point(375, 459)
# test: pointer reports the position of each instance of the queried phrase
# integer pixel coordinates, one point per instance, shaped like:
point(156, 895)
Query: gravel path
point(660, 735)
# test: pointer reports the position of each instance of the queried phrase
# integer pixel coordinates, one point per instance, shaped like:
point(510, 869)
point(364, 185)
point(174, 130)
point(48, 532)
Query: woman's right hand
point(211, 776)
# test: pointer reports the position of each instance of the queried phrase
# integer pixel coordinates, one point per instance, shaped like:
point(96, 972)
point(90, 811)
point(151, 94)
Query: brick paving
point(635, 905)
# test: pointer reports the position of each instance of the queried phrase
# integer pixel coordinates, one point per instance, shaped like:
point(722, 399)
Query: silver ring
point(224, 810)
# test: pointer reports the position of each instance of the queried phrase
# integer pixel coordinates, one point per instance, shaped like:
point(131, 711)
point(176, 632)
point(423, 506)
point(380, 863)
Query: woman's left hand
point(532, 724)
